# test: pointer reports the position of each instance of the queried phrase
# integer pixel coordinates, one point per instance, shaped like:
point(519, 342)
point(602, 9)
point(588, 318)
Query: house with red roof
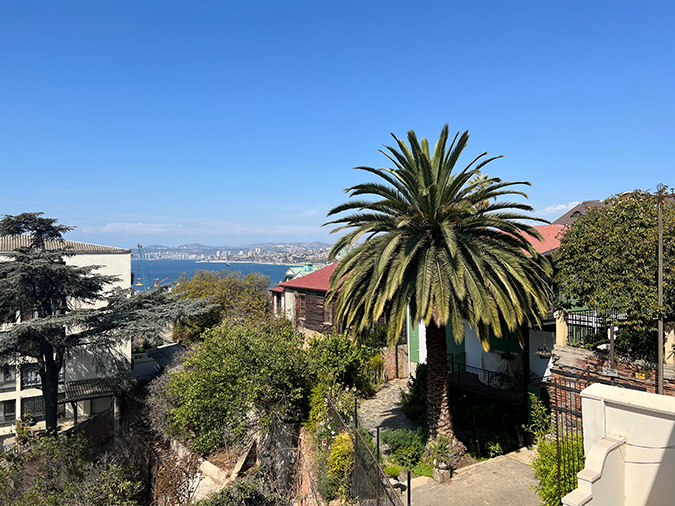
point(303, 301)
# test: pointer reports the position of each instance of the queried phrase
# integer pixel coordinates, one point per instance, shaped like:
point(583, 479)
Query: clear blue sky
point(227, 123)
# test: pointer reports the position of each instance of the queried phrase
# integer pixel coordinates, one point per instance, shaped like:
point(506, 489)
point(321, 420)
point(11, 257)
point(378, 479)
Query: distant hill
point(267, 247)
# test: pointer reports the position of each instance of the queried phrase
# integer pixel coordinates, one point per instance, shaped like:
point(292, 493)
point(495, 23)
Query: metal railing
point(370, 485)
point(511, 389)
point(587, 326)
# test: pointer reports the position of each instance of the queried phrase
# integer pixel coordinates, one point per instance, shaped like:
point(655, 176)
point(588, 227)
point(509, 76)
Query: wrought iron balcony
point(511, 389)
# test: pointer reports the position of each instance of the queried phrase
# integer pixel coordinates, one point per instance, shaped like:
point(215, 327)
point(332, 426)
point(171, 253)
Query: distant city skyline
point(226, 123)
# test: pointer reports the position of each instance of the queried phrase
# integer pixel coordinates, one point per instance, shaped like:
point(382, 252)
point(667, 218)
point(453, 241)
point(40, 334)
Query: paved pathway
point(384, 409)
point(502, 481)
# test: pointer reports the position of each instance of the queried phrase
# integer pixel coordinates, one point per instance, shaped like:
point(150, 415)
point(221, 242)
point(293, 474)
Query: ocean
point(167, 271)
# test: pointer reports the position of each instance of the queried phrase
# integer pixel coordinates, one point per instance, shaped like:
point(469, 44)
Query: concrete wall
point(629, 442)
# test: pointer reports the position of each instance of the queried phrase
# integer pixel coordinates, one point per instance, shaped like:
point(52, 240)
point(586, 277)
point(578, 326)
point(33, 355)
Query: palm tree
point(439, 242)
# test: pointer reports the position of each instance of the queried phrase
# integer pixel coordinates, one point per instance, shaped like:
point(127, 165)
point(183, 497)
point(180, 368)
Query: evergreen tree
point(42, 299)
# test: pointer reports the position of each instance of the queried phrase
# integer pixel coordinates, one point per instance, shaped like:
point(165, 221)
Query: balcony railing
point(511, 389)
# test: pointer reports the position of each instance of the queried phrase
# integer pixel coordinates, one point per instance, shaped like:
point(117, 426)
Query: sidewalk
point(502, 481)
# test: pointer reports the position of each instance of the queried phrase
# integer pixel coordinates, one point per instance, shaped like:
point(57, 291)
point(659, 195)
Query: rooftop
point(11, 243)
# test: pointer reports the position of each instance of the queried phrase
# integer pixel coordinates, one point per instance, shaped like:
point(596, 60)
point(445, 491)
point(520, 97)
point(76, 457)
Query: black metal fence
point(370, 485)
point(568, 430)
point(588, 327)
point(511, 389)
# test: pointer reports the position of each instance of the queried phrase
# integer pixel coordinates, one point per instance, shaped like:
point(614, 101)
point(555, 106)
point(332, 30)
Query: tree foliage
point(50, 306)
point(439, 242)
point(234, 296)
point(45, 471)
point(607, 259)
point(244, 376)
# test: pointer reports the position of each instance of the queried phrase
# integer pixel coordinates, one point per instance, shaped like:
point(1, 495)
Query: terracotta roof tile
point(551, 235)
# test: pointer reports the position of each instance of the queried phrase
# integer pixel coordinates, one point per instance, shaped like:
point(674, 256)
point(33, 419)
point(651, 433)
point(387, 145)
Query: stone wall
point(389, 356)
point(569, 362)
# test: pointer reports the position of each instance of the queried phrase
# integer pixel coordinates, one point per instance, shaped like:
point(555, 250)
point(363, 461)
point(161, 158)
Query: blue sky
point(228, 123)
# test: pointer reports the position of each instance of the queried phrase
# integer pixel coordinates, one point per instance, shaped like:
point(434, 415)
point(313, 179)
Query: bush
point(341, 463)
point(545, 463)
point(321, 422)
point(414, 401)
point(243, 377)
point(252, 490)
point(423, 468)
point(45, 471)
point(406, 446)
point(336, 359)
point(393, 471)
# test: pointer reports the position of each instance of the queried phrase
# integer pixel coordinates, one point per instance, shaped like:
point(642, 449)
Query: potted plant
point(439, 452)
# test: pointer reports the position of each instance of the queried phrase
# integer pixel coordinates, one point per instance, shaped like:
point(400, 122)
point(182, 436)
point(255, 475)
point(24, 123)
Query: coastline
point(241, 262)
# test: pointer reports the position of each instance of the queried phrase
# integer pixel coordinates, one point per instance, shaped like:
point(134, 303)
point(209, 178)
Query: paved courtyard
point(502, 481)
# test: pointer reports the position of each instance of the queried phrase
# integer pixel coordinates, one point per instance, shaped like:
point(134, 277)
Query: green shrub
point(393, 471)
point(337, 359)
point(439, 450)
point(545, 463)
point(414, 401)
point(321, 421)
point(250, 491)
point(423, 468)
point(241, 373)
point(341, 463)
point(406, 446)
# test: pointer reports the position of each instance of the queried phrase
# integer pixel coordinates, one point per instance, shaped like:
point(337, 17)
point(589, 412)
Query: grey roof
point(94, 388)
point(163, 355)
point(579, 210)
point(10, 243)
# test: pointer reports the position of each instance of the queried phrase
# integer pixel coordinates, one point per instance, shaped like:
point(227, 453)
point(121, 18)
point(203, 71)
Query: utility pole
point(660, 369)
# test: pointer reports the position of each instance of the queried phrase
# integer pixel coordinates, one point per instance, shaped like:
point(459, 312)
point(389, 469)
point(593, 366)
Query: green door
point(413, 341)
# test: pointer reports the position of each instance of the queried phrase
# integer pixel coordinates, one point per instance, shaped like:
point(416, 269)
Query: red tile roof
point(317, 280)
point(550, 241)
point(277, 289)
point(320, 280)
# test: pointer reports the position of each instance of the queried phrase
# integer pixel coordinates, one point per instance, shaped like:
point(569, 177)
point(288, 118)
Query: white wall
point(629, 442)
point(472, 346)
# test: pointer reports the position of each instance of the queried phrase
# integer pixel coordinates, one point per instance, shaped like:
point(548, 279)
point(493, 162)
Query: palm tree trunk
point(439, 415)
point(439, 412)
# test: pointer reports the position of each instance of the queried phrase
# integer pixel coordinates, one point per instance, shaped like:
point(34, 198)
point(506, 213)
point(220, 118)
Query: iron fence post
point(377, 481)
point(356, 447)
point(409, 490)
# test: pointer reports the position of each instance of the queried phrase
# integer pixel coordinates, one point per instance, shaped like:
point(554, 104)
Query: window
point(301, 307)
point(7, 378)
point(30, 376)
point(7, 413)
point(35, 406)
point(328, 312)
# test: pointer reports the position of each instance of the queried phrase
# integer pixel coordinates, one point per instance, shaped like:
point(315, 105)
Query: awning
point(83, 390)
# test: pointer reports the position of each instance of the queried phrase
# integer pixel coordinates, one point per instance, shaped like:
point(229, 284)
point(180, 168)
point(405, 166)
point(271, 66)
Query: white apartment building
point(82, 390)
